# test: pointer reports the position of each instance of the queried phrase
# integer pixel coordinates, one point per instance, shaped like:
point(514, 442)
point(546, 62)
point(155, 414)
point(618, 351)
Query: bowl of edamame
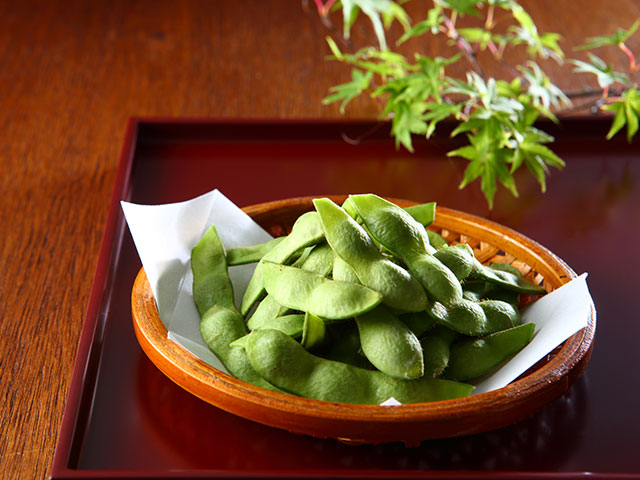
point(361, 299)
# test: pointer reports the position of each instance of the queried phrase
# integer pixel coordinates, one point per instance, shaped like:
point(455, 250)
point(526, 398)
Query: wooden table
point(70, 75)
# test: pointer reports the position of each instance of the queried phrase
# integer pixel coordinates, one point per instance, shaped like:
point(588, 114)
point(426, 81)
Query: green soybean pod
point(389, 344)
point(457, 258)
point(436, 348)
point(505, 278)
point(500, 315)
point(343, 345)
point(211, 283)
point(464, 317)
point(219, 328)
point(343, 272)
point(436, 240)
point(267, 310)
point(292, 325)
point(473, 357)
point(313, 331)
point(403, 236)
point(351, 243)
point(309, 292)
point(424, 213)
point(251, 253)
point(284, 362)
point(306, 231)
point(318, 259)
point(479, 290)
point(418, 322)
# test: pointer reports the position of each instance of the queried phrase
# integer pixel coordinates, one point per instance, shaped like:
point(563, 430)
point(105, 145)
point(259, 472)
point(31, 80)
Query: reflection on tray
point(201, 436)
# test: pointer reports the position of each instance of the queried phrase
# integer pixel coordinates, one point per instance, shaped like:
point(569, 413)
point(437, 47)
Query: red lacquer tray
point(124, 419)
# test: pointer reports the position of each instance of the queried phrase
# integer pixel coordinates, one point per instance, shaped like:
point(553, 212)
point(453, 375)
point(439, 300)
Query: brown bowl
point(412, 423)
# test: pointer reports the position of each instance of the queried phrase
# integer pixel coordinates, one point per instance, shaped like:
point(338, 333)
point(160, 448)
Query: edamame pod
point(318, 259)
point(418, 322)
point(211, 283)
point(500, 315)
point(220, 327)
point(313, 331)
point(292, 325)
point(464, 317)
point(507, 279)
point(251, 253)
point(473, 357)
point(389, 344)
point(306, 231)
point(284, 362)
point(424, 213)
point(350, 242)
point(309, 292)
point(457, 258)
point(404, 237)
point(479, 290)
point(344, 345)
point(436, 348)
point(267, 310)
point(436, 240)
point(343, 272)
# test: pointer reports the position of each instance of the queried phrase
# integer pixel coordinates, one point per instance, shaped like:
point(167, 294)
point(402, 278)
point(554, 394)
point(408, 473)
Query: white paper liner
point(164, 236)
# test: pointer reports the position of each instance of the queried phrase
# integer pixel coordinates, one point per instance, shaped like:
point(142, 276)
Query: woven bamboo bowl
point(374, 424)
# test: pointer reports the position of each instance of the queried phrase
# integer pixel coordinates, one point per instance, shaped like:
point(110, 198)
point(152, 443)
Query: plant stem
point(462, 44)
point(632, 61)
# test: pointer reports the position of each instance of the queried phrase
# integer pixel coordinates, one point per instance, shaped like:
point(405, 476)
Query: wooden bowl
point(373, 423)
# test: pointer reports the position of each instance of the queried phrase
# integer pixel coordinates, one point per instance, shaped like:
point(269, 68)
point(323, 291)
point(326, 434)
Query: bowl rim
point(221, 389)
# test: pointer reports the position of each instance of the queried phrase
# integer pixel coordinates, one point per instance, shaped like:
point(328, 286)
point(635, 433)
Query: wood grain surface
point(70, 74)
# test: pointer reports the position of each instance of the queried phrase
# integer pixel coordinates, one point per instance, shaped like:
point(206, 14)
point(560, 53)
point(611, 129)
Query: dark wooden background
point(71, 73)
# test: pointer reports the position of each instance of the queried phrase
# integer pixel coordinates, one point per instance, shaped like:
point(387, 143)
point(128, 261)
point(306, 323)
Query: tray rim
point(71, 430)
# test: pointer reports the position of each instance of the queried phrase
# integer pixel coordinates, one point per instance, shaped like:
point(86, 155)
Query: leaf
point(438, 112)
point(544, 152)
point(372, 9)
point(476, 35)
point(627, 111)
point(619, 37)
point(408, 119)
point(430, 24)
point(539, 170)
point(632, 121)
point(544, 92)
point(619, 120)
point(462, 7)
point(467, 152)
point(603, 72)
point(396, 12)
point(544, 46)
point(348, 91)
point(471, 124)
point(550, 41)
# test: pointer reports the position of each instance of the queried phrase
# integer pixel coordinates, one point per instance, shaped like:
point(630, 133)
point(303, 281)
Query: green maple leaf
point(348, 91)
point(603, 72)
point(617, 38)
point(488, 160)
point(627, 111)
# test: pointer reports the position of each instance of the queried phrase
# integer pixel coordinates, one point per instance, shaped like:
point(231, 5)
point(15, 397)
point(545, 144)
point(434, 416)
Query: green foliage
point(603, 72)
point(496, 116)
point(617, 38)
point(381, 13)
point(348, 91)
point(627, 111)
